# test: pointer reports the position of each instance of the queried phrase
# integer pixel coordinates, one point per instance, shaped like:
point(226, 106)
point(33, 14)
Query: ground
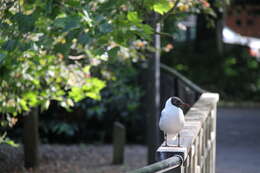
point(238, 150)
point(238, 140)
point(73, 159)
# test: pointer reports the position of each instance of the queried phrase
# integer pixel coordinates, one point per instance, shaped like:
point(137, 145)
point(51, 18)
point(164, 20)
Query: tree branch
point(164, 34)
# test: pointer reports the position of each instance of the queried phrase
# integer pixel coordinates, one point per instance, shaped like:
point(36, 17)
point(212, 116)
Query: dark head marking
point(176, 101)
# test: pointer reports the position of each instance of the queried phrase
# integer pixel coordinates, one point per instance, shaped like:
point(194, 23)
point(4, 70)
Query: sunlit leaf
point(162, 6)
point(133, 17)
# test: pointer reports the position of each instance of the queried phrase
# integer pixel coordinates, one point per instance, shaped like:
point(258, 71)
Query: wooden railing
point(198, 137)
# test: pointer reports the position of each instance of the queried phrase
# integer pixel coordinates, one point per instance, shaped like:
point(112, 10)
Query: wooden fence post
point(31, 139)
point(119, 136)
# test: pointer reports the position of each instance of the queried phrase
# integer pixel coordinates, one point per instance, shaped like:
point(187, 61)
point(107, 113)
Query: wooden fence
point(198, 137)
point(198, 142)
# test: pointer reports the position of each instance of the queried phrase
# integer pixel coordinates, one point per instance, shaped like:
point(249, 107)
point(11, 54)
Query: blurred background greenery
point(233, 72)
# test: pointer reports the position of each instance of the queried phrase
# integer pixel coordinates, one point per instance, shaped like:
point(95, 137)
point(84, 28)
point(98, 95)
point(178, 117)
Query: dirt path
point(73, 159)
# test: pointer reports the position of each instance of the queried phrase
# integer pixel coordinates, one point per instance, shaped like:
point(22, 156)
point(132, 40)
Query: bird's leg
point(165, 138)
point(179, 140)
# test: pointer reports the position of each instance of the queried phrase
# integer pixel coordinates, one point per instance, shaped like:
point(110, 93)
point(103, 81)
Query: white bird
point(172, 119)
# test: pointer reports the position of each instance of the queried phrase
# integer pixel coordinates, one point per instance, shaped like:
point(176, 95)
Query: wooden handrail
point(182, 78)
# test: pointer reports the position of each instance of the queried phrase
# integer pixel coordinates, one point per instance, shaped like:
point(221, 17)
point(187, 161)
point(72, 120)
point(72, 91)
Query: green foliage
point(60, 128)
point(46, 44)
point(6, 140)
point(92, 120)
point(67, 50)
point(48, 49)
point(162, 6)
point(235, 75)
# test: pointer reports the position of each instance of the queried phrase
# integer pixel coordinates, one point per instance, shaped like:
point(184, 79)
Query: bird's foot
point(171, 145)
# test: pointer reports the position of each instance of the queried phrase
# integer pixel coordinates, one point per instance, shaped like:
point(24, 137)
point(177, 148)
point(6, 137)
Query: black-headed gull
point(172, 119)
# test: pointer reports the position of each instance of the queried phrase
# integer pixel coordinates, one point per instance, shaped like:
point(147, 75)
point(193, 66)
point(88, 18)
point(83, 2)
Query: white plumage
point(172, 120)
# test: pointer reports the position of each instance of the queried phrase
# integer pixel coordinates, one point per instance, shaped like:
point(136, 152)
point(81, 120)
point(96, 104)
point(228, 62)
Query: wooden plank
point(198, 169)
point(186, 169)
point(193, 158)
point(200, 147)
point(196, 156)
point(190, 162)
point(214, 115)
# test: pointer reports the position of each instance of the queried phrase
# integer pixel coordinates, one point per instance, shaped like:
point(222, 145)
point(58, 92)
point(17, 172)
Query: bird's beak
point(185, 105)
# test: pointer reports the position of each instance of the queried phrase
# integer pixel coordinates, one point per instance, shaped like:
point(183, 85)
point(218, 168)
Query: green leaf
point(72, 23)
point(86, 69)
point(25, 22)
point(162, 6)
point(105, 28)
point(67, 23)
point(231, 61)
point(76, 94)
point(46, 105)
point(113, 52)
point(64, 128)
point(84, 38)
point(230, 72)
point(73, 3)
point(93, 86)
point(10, 45)
point(59, 22)
point(147, 29)
point(11, 142)
point(31, 97)
point(133, 17)
point(23, 103)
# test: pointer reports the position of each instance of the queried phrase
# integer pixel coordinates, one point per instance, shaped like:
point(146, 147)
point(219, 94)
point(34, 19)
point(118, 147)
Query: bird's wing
point(167, 120)
point(172, 120)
